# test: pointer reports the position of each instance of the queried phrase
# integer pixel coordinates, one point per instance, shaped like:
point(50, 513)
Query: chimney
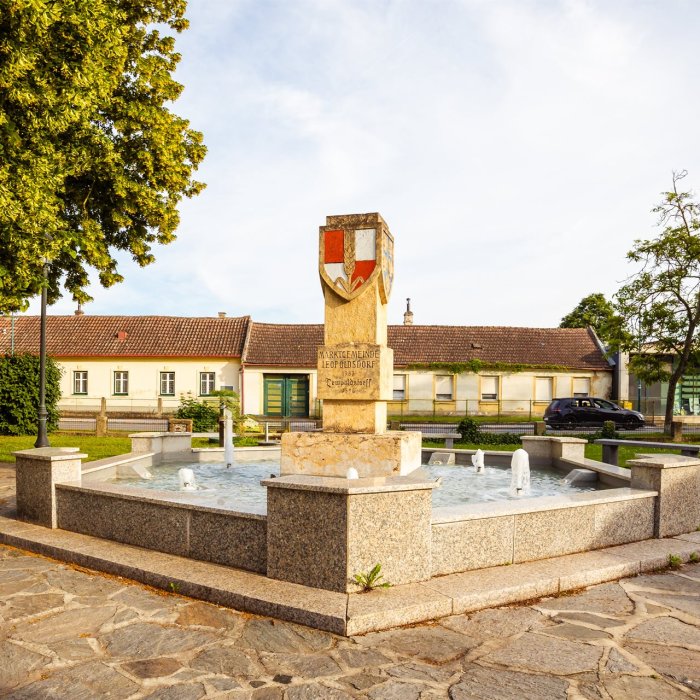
point(408, 316)
point(79, 311)
point(222, 314)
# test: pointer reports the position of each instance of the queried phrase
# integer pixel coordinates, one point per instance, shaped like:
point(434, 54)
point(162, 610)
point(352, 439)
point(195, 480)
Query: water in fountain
point(352, 473)
point(478, 461)
point(187, 482)
point(520, 473)
point(228, 438)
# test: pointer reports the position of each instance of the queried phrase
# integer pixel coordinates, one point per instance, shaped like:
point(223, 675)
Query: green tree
point(659, 306)
point(594, 310)
point(92, 159)
point(19, 394)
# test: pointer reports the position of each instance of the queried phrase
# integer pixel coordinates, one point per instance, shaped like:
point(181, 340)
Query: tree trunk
point(670, 397)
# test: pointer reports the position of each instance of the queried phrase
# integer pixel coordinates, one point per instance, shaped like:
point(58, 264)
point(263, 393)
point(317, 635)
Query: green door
point(286, 395)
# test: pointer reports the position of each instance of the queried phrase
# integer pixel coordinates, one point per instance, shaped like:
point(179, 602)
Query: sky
point(515, 148)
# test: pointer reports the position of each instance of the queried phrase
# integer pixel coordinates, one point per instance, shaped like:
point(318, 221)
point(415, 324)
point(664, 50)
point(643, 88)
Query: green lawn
point(94, 447)
point(592, 451)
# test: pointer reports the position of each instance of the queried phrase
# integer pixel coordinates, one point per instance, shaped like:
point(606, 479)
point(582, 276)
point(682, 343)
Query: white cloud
point(514, 147)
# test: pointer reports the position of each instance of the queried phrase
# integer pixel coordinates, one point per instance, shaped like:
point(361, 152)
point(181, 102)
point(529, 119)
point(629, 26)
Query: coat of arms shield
point(354, 250)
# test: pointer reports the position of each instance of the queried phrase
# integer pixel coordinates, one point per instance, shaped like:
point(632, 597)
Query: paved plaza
point(69, 633)
point(66, 632)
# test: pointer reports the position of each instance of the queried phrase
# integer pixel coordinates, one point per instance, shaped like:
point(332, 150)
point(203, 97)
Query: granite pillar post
point(677, 481)
point(38, 471)
point(321, 531)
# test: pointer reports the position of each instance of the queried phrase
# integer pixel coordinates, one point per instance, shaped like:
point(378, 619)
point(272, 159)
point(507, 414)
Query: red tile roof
point(294, 345)
point(128, 336)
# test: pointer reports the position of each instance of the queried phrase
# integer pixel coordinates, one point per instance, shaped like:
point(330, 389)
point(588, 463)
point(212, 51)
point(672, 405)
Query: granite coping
point(599, 467)
point(51, 454)
point(116, 461)
point(342, 613)
point(158, 434)
point(553, 438)
point(478, 511)
point(663, 461)
point(331, 484)
point(173, 499)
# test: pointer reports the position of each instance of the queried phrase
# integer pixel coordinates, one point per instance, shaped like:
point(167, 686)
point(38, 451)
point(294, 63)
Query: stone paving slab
point(88, 635)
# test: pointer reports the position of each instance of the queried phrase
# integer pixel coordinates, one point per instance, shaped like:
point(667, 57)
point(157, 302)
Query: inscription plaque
point(354, 371)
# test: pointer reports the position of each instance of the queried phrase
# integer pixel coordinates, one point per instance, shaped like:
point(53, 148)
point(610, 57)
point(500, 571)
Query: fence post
point(159, 410)
point(103, 406)
point(100, 425)
point(529, 417)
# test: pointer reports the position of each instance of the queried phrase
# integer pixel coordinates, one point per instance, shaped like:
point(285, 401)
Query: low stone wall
point(140, 518)
point(493, 534)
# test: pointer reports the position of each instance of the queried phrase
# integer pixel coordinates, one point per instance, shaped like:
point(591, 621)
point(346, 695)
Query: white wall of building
point(144, 381)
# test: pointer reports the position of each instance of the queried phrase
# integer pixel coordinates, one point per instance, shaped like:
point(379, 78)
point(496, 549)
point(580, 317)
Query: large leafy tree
point(660, 305)
point(593, 310)
point(92, 158)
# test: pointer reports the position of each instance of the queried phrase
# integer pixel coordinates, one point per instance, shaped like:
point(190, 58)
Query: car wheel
point(631, 424)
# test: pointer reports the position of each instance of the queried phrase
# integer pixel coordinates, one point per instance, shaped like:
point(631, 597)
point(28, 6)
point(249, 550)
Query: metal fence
point(114, 425)
point(463, 408)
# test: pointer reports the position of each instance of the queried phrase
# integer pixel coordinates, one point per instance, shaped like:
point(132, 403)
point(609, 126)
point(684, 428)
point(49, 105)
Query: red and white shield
point(348, 259)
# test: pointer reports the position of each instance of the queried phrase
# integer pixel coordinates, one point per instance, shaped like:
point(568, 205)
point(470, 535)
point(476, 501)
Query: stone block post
point(38, 471)
point(321, 531)
point(677, 481)
point(101, 425)
point(677, 431)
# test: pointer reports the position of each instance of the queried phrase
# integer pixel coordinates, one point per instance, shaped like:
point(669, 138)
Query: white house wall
point(144, 381)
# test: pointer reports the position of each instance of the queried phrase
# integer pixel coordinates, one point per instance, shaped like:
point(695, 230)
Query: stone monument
point(323, 526)
point(355, 366)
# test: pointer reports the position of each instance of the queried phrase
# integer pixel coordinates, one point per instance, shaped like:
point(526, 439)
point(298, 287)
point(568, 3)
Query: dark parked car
point(587, 411)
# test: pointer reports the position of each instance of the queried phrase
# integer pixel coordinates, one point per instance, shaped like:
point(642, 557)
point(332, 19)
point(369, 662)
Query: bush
point(19, 394)
point(470, 432)
point(204, 415)
point(609, 431)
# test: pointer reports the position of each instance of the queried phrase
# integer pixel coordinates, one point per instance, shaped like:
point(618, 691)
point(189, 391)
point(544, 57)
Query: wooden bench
point(611, 448)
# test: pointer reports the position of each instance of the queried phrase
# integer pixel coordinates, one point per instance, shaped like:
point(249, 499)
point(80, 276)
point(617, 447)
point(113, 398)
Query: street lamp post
point(42, 438)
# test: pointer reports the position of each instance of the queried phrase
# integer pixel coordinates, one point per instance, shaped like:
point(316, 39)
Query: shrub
point(609, 431)
point(19, 394)
point(470, 432)
point(204, 415)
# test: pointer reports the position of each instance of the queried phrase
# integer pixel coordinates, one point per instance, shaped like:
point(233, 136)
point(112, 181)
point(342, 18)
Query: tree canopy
point(660, 305)
point(92, 159)
point(593, 310)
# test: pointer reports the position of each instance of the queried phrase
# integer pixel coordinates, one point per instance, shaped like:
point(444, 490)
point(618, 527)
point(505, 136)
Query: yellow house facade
point(145, 364)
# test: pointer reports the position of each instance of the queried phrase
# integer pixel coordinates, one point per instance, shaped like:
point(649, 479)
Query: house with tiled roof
point(145, 363)
point(437, 369)
point(138, 364)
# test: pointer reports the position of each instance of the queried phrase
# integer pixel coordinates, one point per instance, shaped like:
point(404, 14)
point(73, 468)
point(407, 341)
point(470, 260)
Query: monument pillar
point(355, 366)
point(346, 499)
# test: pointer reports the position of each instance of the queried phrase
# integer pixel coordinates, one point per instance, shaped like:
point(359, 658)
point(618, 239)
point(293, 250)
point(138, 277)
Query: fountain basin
point(239, 488)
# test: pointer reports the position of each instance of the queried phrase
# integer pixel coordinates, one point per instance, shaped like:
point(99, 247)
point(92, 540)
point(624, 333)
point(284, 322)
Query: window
point(206, 383)
point(80, 382)
point(167, 383)
point(489, 388)
point(121, 383)
point(443, 387)
point(582, 386)
point(543, 389)
point(399, 387)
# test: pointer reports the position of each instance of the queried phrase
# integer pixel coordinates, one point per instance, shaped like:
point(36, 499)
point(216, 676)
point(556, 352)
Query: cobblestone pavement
point(69, 633)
